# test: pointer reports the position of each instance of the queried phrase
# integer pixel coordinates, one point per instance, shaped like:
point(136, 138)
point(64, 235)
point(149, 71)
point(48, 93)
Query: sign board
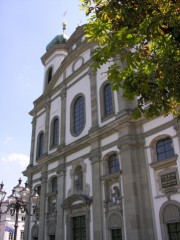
point(168, 180)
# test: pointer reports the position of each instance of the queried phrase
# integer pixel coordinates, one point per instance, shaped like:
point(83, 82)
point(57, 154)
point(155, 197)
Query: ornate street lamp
point(19, 200)
point(2, 196)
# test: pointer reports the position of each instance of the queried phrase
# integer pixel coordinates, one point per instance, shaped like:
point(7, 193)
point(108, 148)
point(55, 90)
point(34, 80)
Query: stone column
point(94, 107)
point(97, 196)
point(136, 200)
point(42, 204)
point(60, 198)
point(46, 134)
point(63, 117)
point(32, 141)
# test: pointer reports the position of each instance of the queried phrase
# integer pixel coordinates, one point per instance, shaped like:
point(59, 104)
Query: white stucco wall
point(78, 154)
point(52, 166)
point(109, 139)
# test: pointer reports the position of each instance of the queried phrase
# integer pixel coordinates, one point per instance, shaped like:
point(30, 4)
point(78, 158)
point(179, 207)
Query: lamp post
point(19, 200)
point(2, 196)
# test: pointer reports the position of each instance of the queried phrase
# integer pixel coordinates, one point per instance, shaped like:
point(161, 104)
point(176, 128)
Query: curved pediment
point(76, 201)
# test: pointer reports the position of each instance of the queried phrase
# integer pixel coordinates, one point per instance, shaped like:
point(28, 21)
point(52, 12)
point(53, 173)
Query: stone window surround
point(166, 163)
point(102, 105)
point(35, 230)
point(38, 155)
point(78, 185)
point(51, 229)
point(80, 58)
point(86, 188)
point(106, 165)
point(38, 207)
point(153, 147)
point(171, 216)
point(50, 183)
point(51, 132)
point(51, 67)
point(114, 221)
point(72, 114)
point(51, 195)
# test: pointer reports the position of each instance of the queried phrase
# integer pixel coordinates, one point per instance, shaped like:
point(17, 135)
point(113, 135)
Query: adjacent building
point(7, 223)
point(100, 174)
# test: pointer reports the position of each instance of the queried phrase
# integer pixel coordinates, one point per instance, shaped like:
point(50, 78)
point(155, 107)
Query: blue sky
point(26, 27)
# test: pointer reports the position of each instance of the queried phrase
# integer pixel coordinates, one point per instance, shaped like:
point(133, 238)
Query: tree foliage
point(143, 39)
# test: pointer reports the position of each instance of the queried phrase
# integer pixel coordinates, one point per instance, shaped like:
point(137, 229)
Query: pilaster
point(46, 135)
point(60, 198)
point(136, 200)
point(33, 140)
point(42, 204)
point(94, 108)
point(63, 116)
point(95, 156)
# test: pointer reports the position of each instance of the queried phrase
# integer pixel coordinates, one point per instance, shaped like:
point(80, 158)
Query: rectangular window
point(22, 235)
point(10, 236)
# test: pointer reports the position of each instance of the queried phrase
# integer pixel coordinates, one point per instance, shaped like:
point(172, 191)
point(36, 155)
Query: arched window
point(54, 184)
point(55, 132)
point(78, 180)
point(40, 144)
point(79, 115)
point(108, 102)
point(164, 149)
point(113, 164)
point(49, 75)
